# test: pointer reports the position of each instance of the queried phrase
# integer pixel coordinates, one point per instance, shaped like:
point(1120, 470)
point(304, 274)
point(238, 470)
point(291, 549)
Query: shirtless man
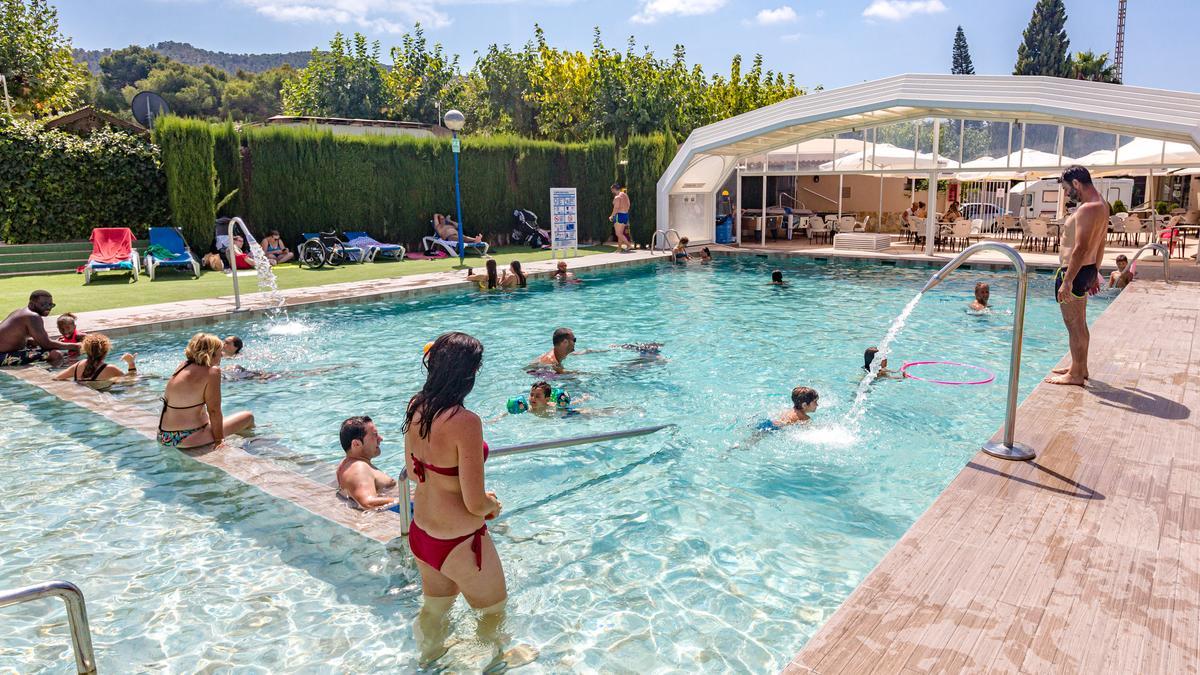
point(983, 293)
point(620, 218)
point(564, 344)
point(1080, 277)
point(562, 273)
point(357, 476)
point(25, 326)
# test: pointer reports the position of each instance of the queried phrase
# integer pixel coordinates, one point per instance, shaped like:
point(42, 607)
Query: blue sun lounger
point(178, 255)
point(374, 247)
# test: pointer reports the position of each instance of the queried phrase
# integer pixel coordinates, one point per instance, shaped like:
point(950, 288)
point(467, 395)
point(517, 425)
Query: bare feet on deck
point(1063, 371)
point(1067, 379)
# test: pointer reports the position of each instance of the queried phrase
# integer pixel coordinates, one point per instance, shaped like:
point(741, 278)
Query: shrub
point(1118, 207)
point(1163, 208)
point(57, 186)
point(187, 159)
point(648, 158)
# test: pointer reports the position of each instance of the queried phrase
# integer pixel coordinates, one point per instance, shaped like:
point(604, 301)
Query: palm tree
point(1095, 68)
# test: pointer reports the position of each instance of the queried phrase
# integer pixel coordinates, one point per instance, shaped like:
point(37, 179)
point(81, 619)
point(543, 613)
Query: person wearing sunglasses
point(23, 337)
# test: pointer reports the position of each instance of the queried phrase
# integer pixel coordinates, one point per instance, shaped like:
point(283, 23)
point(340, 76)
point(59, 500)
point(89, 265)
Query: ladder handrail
point(666, 238)
point(81, 636)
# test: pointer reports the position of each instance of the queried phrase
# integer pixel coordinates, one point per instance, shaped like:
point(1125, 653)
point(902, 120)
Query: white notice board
point(564, 221)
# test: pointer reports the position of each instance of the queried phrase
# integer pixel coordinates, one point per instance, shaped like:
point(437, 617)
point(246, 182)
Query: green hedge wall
point(227, 160)
point(187, 161)
point(648, 158)
point(55, 186)
point(302, 180)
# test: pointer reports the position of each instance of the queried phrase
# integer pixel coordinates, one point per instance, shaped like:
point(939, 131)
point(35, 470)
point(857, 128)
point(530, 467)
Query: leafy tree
point(346, 81)
point(126, 66)
point(35, 59)
point(255, 96)
point(1094, 67)
point(188, 90)
point(563, 85)
point(419, 77)
point(961, 61)
point(504, 76)
point(1045, 49)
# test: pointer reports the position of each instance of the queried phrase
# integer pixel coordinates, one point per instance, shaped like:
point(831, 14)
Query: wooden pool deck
point(1086, 559)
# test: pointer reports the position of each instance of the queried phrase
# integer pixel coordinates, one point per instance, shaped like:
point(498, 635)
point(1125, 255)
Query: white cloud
point(386, 16)
point(898, 10)
point(771, 17)
point(793, 37)
point(653, 10)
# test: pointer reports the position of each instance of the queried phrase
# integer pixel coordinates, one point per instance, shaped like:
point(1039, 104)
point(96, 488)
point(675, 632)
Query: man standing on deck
point(1081, 275)
point(620, 217)
point(23, 337)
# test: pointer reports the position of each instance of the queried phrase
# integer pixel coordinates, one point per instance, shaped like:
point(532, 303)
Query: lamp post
point(454, 121)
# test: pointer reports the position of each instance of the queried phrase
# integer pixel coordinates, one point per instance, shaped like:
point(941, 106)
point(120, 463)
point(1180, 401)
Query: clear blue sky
point(823, 42)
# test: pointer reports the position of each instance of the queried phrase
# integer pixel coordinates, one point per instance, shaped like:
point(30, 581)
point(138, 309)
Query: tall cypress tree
point(1045, 49)
point(961, 64)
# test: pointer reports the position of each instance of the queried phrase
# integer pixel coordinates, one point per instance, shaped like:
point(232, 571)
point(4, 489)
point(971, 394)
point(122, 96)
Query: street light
point(454, 121)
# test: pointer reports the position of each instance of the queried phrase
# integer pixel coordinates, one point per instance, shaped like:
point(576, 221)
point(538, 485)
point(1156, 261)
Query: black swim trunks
point(1084, 280)
point(22, 357)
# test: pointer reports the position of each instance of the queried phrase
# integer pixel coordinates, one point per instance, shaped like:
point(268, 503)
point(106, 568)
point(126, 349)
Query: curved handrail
point(81, 637)
point(1009, 449)
point(1162, 250)
point(237, 295)
point(665, 235)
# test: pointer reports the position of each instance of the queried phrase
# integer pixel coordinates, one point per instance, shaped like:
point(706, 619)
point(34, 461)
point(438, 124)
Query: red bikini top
point(419, 467)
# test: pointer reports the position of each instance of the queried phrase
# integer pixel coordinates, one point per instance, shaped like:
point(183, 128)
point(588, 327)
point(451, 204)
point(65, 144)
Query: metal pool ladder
point(81, 636)
point(1162, 250)
point(1008, 449)
point(665, 237)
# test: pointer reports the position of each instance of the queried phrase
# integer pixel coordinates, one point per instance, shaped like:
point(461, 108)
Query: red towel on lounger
point(111, 244)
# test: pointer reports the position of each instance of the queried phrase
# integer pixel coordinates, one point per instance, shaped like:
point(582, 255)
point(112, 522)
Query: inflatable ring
point(987, 375)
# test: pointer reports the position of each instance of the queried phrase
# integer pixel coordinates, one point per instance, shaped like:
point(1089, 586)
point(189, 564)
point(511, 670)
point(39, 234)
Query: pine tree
point(962, 55)
point(1045, 49)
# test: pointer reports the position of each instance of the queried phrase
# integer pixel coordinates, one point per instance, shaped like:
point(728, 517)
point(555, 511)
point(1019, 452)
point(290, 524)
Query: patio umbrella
point(882, 156)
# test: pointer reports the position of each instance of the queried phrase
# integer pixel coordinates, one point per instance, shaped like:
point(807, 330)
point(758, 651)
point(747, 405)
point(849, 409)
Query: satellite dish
point(148, 106)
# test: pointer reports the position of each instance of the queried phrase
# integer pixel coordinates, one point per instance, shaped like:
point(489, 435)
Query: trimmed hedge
point(227, 160)
point(302, 180)
point(56, 186)
point(648, 158)
point(187, 152)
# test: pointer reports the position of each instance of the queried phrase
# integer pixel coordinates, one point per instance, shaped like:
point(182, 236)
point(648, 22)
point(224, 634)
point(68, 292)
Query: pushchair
point(526, 230)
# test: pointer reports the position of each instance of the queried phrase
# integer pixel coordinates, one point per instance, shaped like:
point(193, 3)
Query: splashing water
point(864, 387)
point(281, 324)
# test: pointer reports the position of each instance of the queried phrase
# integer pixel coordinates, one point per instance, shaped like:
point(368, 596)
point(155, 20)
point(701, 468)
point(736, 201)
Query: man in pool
point(564, 345)
point(777, 278)
point(1080, 277)
point(23, 337)
point(982, 293)
point(561, 272)
point(357, 477)
point(232, 347)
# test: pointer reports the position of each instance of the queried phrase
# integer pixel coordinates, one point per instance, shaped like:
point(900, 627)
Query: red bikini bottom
point(433, 551)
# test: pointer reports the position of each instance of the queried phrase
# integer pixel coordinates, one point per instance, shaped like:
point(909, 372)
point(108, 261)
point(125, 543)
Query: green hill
point(195, 56)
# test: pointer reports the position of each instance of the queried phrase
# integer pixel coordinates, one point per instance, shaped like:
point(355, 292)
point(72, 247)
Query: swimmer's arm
point(42, 338)
point(130, 365)
point(361, 486)
point(212, 402)
point(470, 468)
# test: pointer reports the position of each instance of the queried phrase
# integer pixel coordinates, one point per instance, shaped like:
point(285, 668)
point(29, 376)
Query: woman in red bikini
point(445, 452)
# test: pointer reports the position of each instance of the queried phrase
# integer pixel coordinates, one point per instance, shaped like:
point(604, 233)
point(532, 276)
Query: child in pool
point(804, 401)
point(883, 372)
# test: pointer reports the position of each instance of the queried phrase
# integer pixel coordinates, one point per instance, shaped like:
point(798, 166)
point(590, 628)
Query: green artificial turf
point(112, 289)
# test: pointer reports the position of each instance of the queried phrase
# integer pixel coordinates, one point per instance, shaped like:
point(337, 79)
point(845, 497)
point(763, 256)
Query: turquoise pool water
point(692, 549)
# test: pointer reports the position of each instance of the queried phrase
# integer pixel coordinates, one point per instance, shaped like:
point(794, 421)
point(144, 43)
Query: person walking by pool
point(445, 451)
point(68, 331)
point(93, 371)
point(1121, 276)
point(620, 218)
point(357, 477)
point(1080, 277)
point(23, 337)
point(564, 345)
point(275, 250)
point(191, 414)
point(488, 281)
point(983, 293)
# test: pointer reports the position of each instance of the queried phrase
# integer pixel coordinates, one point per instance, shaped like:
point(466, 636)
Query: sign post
point(564, 221)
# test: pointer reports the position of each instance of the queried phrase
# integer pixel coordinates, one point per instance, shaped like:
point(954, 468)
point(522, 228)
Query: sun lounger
point(451, 247)
point(375, 247)
point(168, 249)
point(112, 250)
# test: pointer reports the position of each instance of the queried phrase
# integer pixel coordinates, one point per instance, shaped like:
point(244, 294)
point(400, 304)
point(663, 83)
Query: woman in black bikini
point(191, 411)
point(93, 371)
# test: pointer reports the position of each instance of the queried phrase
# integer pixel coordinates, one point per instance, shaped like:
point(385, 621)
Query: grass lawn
point(111, 290)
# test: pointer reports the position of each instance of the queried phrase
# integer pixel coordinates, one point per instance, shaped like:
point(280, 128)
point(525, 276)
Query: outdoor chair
point(1008, 224)
point(818, 228)
point(1116, 229)
point(960, 233)
point(374, 247)
point(849, 224)
point(451, 247)
point(1137, 227)
point(112, 251)
point(1169, 235)
point(1039, 232)
point(168, 249)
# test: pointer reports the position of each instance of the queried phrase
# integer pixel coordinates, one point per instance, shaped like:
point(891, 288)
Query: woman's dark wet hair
point(451, 365)
point(869, 357)
point(515, 266)
point(493, 280)
point(777, 276)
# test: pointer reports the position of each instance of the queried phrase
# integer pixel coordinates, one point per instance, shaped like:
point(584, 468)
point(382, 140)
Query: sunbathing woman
point(488, 281)
point(447, 229)
point(444, 449)
point(93, 371)
point(191, 414)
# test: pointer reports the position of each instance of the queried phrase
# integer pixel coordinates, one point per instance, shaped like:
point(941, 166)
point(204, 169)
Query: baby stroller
point(526, 230)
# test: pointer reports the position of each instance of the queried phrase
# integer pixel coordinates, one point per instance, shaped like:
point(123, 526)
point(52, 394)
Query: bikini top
point(163, 398)
point(419, 467)
point(95, 375)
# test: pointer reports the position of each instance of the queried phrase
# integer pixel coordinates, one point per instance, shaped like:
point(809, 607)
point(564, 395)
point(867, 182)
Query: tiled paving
point(1086, 559)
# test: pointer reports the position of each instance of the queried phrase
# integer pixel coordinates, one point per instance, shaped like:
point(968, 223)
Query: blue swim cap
point(516, 405)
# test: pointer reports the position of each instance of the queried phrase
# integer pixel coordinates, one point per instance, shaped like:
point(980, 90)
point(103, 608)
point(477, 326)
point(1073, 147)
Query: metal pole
point(575, 440)
point(763, 214)
point(237, 296)
point(81, 637)
point(7, 103)
point(737, 212)
point(931, 216)
point(458, 199)
point(405, 500)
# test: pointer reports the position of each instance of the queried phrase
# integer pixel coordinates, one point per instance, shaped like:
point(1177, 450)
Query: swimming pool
point(690, 549)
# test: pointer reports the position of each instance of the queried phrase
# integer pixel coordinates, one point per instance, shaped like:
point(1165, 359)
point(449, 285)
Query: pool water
point(705, 547)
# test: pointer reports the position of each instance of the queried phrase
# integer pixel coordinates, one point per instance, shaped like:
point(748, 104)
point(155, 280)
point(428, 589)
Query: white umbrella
point(887, 156)
point(1010, 167)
